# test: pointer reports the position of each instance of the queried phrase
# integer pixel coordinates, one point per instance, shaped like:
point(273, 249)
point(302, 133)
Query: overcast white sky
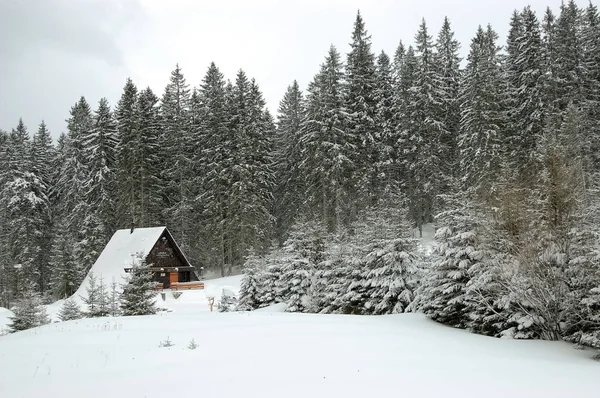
point(54, 51)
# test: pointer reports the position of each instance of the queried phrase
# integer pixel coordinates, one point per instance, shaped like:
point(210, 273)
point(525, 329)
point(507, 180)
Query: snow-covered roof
point(119, 253)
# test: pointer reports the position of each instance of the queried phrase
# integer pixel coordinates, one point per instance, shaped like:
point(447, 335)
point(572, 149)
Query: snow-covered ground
point(268, 353)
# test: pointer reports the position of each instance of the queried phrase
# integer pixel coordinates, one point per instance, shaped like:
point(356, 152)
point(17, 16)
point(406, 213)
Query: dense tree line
point(500, 155)
point(498, 150)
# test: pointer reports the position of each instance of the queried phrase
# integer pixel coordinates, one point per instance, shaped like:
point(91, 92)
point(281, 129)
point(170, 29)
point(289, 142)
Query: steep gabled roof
point(119, 253)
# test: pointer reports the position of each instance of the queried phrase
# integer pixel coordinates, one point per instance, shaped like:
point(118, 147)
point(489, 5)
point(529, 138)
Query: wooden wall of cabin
point(163, 255)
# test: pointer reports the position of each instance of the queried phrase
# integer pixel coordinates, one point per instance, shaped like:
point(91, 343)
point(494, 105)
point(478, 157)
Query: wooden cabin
point(170, 267)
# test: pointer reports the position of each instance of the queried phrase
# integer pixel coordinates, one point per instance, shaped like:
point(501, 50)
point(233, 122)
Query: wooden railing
point(187, 285)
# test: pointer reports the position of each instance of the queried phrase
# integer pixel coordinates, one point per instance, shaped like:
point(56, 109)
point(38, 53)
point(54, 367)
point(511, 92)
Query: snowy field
point(269, 353)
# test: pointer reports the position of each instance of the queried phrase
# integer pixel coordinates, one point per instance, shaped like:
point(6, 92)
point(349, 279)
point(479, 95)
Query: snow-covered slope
point(271, 354)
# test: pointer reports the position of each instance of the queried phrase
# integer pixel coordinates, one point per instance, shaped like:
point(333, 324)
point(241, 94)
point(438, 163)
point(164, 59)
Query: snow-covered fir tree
point(422, 137)
point(43, 152)
point(70, 310)
point(138, 296)
point(444, 288)
point(361, 107)
point(92, 295)
point(447, 62)
point(147, 168)
point(213, 143)
point(385, 120)
point(100, 151)
point(65, 270)
point(480, 142)
point(250, 286)
point(524, 77)
point(128, 144)
point(175, 126)
point(289, 189)
point(328, 150)
point(29, 311)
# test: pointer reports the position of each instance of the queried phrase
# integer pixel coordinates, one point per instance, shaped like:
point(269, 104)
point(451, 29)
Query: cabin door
point(173, 277)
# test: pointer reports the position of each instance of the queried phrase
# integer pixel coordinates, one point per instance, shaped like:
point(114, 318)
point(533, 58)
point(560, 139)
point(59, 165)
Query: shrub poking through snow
point(192, 345)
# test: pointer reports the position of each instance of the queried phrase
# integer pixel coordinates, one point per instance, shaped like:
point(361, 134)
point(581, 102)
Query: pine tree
point(524, 76)
point(444, 289)
point(249, 175)
point(128, 143)
point(568, 57)
point(27, 210)
point(361, 104)
point(481, 141)
point(387, 160)
point(328, 150)
point(65, 272)
point(138, 297)
point(29, 312)
point(175, 123)
point(447, 61)
point(302, 251)
point(92, 297)
point(103, 300)
point(590, 40)
point(69, 310)
point(422, 137)
point(113, 300)
point(100, 150)
point(249, 295)
point(4, 263)
point(390, 263)
point(147, 171)
point(42, 158)
point(213, 145)
point(289, 184)
point(550, 76)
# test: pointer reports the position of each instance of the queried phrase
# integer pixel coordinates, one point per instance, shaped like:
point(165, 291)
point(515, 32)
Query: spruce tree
point(524, 69)
point(289, 183)
point(249, 295)
point(444, 289)
point(100, 150)
point(481, 140)
point(590, 40)
point(385, 120)
point(568, 59)
point(29, 312)
point(361, 106)
point(422, 137)
point(447, 62)
point(126, 158)
point(328, 150)
point(213, 146)
point(65, 272)
point(147, 168)
point(138, 297)
point(69, 310)
point(92, 297)
point(175, 124)
point(42, 158)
